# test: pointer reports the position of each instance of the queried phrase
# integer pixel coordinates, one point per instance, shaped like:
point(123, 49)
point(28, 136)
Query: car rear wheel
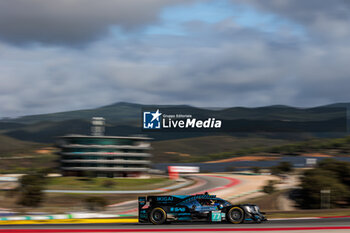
point(235, 215)
point(157, 216)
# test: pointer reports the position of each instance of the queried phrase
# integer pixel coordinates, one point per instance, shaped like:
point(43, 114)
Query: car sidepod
point(199, 207)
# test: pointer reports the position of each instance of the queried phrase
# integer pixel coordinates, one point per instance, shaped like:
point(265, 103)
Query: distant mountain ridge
point(122, 112)
point(125, 119)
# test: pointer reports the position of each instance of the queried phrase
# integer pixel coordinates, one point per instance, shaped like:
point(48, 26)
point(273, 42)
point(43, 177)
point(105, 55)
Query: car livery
point(199, 207)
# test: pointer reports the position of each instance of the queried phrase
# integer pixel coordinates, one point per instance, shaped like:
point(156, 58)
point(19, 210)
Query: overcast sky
point(74, 54)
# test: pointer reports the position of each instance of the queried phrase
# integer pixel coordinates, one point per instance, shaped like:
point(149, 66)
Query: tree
point(270, 187)
point(275, 170)
point(256, 169)
point(95, 203)
point(340, 169)
point(328, 175)
point(108, 183)
point(31, 189)
point(311, 190)
point(285, 167)
point(281, 168)
point(231, 169)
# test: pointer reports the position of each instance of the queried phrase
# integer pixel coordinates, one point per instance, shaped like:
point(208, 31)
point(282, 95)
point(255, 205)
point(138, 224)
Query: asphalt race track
point(204, 183)
point(340, 225)
point(323, 225)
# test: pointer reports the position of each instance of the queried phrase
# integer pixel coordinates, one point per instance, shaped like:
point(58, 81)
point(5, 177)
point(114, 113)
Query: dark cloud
point(72, 21)
point(212, 64)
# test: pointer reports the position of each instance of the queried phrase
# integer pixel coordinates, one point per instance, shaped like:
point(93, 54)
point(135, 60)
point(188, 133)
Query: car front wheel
point(235, 215)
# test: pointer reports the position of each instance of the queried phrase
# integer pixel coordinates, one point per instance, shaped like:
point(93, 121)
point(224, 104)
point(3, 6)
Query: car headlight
point(251, 209)
point(248, 209)
point(257, 209)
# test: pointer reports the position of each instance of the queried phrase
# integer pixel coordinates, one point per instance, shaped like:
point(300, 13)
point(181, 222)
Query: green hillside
point(195, 149)
point(48, 131)
point(210, 148)
point(120, 111)
point(130, 113)
point(322, 146)
point(124, 119)
point(10, 146)
point(18, 156)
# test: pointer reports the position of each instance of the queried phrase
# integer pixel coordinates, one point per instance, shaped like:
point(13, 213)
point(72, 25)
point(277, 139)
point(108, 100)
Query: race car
point(199, 207)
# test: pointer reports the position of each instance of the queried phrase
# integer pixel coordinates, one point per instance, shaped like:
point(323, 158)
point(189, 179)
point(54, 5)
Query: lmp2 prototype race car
point(199, 207)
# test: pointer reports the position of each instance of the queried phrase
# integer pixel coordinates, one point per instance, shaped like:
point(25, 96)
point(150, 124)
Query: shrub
point(31, 189)
point(231, 169)
point(281, 168)
point(95, 203)
point(32, 196)
point(108, 183)
point(256, 169)
point(270, 187)
point(285, 167)
point(330, 175)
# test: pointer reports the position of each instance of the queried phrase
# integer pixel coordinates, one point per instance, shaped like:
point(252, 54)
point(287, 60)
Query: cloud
point(303, 11)
point(325, 19)
point(73, 21)
point(211, 63)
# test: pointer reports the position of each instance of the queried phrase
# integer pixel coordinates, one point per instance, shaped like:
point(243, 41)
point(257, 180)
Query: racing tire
point(235, 215)
point(157, 216)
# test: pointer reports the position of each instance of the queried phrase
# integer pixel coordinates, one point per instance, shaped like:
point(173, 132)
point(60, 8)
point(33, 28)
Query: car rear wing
point(142, 202)
point(143, 217)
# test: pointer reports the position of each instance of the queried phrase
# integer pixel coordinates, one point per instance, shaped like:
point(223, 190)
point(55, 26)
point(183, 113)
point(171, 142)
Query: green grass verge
point(309, 213)
point(80, 183)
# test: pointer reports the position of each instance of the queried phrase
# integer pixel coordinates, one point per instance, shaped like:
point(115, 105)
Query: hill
point(18, 156)
point(318, 147)
point(9, 146)
point(115, 112)
point(197, 148)
point(124, 119)
point(201, 149)
point(47, 132)
point(125, 113)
